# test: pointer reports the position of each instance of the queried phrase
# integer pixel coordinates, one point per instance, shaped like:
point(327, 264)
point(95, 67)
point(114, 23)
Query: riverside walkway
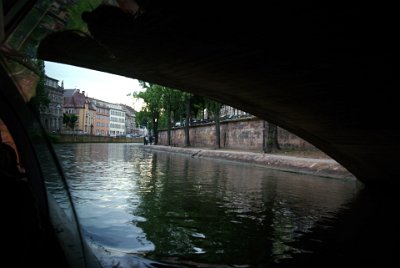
point(324, 167)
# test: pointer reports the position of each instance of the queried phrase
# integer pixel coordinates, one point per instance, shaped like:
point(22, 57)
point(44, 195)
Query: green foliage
point(151, 96)
point(164, 106)
point(161, 103)
point(75, 11)
point(41, 100)
point(197, 105)
point(163, 121)
point(142, 118)
point(212, 106)
point(69, 120)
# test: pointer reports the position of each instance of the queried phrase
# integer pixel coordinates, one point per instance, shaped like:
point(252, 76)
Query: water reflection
point(221, 213)
point(176, 209)
point(102, 183)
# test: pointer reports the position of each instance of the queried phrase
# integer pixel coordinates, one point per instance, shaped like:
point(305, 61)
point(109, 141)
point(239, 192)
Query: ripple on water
point(171, 206)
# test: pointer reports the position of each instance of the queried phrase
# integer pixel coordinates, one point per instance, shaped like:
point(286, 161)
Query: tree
point(171, 102)
point(164, 105)
point(152, 96)
point(142, 118)
point(187, 100)
point(41, 100)
point(70, 120)
point(214, 108)
point(270, 143)
point(193, 103)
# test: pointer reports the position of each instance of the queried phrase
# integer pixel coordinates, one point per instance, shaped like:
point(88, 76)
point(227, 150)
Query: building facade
point(102, 121)
point(229, 112)
point(52, 115)
point(74, 103)
point(130, 119)
point(97, 117)
point(117, 120)
point(90, 117)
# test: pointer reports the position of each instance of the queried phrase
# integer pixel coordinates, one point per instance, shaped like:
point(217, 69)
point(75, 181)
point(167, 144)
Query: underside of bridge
point(302, 66)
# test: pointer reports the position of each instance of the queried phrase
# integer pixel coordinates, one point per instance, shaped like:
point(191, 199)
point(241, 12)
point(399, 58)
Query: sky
point(103, 86)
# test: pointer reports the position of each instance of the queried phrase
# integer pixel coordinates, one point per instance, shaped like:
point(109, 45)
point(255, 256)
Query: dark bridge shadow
point(365, 233)
point(303, 66)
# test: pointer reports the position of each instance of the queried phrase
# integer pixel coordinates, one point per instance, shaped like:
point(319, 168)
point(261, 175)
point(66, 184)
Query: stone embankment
point(318, 167)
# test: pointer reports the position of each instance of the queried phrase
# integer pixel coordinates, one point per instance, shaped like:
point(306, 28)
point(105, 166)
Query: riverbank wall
point(239, 134)
point(318, 167)
point(93, 139)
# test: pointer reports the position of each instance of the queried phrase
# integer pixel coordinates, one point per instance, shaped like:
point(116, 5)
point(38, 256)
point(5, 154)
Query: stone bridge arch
point(304, 66)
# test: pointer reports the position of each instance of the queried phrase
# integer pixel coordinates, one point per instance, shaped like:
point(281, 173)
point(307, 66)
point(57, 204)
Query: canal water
point(193, 212)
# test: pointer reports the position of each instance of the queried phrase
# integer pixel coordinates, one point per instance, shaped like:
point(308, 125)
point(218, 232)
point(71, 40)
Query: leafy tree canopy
point(69, 120)
point(41, 100)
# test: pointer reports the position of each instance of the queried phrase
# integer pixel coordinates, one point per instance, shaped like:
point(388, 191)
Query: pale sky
point(103, 86)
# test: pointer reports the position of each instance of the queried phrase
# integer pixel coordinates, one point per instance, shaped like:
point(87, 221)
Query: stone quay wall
point(240, 134)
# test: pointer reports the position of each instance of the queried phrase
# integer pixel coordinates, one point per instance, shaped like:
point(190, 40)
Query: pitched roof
point(74, 99)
